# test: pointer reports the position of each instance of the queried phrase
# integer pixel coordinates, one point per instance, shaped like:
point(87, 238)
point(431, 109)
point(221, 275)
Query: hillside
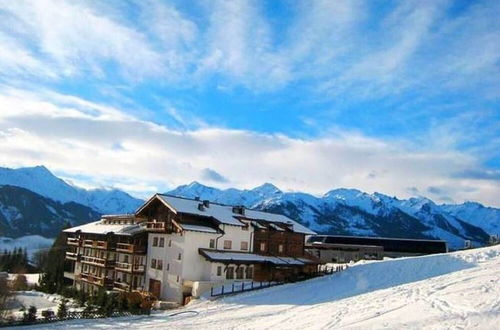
point(23, 212)
point(352, 212)
point(457, 290)
point(41, 181)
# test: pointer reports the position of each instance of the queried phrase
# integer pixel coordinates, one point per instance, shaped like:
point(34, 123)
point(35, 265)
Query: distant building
point(176, 247)
point(332, 248)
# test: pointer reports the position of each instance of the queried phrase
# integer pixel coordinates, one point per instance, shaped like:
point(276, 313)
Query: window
point(153, 263)
point(230, 273)
point(179, 257)
point(155, 241)
point(219, 270)
point(159, 265)
point(125, 259)
point(212, 244)
point(280, 248)
point(169, 243)
point(162, 242)
point(249, 272)
point(244, 246)
point(178, 278)
point(168, 266)
point(239, 273)
point(263, 246)
point(227, 245)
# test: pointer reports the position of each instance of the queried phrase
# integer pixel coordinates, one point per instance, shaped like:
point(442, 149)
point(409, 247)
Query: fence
point(238, 287)
point(69, 316)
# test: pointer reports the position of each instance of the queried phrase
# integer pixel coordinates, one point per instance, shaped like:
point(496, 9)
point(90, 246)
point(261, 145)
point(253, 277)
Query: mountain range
point(353, 212)
point(33, 201)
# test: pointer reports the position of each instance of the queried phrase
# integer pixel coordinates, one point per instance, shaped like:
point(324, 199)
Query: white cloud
point(152, 156)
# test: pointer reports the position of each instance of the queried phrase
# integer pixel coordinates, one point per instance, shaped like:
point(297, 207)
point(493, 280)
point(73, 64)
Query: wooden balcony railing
point(96, 244)
point(96, 261)
point(156, 226)
point(129, 248)
point(130, 268)
point(94, 279)
point(72, 256)
point(73, 241)
point(123, 286)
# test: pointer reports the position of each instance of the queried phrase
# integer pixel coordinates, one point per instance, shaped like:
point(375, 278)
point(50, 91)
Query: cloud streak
point(78, 137)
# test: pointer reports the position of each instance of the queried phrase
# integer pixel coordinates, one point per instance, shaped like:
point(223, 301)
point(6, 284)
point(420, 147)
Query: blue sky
point(390, 96)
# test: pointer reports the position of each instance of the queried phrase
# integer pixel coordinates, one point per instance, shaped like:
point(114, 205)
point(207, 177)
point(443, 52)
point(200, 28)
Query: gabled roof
point(224, 213)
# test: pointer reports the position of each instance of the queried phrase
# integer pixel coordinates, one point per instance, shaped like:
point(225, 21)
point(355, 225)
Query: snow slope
point(449, 291)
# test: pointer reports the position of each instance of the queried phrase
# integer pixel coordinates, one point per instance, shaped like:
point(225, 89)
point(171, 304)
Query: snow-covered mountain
point(41, 181)
point(353, 212)
point(23, 212)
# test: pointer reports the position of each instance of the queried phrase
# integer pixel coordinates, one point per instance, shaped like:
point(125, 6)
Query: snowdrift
point(449, 291)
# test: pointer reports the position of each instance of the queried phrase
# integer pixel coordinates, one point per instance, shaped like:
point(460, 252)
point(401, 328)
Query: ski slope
point(449, 291)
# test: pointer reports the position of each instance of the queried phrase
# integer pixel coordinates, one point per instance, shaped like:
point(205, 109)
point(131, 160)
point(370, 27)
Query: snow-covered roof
point(242, 257)
point(98, 227)
point(198, 228)
point(224, 213)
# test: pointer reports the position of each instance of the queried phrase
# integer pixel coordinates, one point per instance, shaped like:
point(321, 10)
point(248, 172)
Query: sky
point(398, 97)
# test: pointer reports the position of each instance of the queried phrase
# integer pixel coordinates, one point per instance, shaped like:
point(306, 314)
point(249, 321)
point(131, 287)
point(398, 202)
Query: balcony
point(72, 256)
point(95, 244)
point(121, 286)
point(129, 248)
point(94, 279)
point(73, 241)
point(95, 261)
point(156, 226)
point(129, 268)
point(69, 275)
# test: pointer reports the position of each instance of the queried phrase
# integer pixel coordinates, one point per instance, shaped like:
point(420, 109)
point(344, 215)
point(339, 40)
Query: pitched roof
point(224, 213)
point(98, 227)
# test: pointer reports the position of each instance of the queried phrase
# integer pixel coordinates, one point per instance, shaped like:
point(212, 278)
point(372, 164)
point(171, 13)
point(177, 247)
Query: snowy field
point(449, 291)
point(42, 301)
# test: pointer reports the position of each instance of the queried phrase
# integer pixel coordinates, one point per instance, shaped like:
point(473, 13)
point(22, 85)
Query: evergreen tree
point(52, 278)
point(62, 310)
point(110, 305)
point(122, 302)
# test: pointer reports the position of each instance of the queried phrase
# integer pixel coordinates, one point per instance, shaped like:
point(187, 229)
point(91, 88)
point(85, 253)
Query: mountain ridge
point(353, 212)
point(42, 181)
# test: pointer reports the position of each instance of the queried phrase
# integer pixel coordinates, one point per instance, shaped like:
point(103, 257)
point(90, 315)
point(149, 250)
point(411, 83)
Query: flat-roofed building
point(336, 248)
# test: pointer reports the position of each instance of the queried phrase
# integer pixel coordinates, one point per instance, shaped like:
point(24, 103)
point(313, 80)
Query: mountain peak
point(343, 193)
point(267, 188)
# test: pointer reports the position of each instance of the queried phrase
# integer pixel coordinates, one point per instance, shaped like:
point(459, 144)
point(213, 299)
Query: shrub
point(20, 283)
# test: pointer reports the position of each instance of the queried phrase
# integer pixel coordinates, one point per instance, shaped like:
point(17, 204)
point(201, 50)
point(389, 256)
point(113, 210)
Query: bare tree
point(5, 296)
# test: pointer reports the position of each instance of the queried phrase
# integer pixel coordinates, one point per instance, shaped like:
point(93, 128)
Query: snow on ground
point(449, 291)
point(32, 243)
point(42, 301)
point(32, 279)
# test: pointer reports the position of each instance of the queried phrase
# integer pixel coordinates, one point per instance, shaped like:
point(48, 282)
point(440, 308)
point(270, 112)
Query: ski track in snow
point(449, 291)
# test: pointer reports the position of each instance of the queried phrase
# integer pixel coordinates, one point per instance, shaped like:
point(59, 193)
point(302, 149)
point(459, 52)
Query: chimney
point(197, 198)
point(206, 203)
point(201, 207)
point(239, 210)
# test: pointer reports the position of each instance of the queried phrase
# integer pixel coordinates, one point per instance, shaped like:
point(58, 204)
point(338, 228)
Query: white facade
point(174, 259)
